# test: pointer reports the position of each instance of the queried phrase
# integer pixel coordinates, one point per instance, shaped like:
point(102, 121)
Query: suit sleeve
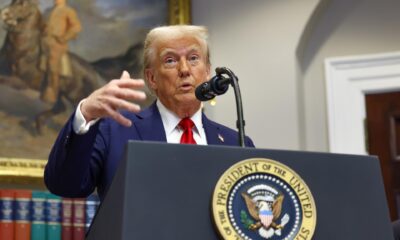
point(75, 162)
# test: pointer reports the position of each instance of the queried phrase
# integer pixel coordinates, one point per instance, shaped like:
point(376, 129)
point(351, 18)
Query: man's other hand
point(118, 94)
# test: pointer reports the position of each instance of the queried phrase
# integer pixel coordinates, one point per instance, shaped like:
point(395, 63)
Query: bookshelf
point(39, 215)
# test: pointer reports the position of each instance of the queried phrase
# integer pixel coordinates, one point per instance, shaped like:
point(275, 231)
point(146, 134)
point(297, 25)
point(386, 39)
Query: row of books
point(39, 215)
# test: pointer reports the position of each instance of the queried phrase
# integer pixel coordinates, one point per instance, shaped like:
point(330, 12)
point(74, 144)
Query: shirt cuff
point(79, 123)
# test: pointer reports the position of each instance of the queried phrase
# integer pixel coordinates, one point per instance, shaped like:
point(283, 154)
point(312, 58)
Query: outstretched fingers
point(120, 104)
point(130, 94)
point(117, 116)
point(118, 94)
point(128, 83)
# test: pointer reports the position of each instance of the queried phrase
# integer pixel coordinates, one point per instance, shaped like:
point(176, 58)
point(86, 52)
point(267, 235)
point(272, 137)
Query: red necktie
point(187, 137)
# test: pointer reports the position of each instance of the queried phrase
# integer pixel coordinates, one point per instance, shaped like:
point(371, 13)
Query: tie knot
point(186, 124)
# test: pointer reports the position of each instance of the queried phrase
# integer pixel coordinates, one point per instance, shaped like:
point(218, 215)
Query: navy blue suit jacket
point(80, 163)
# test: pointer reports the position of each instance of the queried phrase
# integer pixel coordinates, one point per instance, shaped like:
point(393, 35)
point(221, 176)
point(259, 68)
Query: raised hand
point(118, 94)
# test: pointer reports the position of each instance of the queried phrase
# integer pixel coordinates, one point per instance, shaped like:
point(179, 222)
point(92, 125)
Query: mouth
point(186, 87)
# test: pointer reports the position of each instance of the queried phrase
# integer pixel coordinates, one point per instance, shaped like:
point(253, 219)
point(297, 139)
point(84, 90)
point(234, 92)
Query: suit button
point(66, 141)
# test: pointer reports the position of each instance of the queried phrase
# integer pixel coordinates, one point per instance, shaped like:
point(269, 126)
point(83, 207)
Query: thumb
point(125, 75)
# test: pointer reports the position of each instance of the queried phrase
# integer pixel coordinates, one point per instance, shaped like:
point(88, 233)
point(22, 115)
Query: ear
point(150, 78)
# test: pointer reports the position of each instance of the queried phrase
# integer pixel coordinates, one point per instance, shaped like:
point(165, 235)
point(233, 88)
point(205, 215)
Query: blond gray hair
point(173, 32)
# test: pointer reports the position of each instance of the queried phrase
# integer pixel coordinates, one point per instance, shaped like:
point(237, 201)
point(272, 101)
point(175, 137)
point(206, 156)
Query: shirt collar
point(171, 120)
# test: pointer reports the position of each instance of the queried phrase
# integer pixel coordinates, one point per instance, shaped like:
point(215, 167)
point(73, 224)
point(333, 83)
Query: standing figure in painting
point(25, 63)
point(61, 25)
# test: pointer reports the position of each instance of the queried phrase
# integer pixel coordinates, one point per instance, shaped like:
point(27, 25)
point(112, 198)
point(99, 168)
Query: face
point(179, 67)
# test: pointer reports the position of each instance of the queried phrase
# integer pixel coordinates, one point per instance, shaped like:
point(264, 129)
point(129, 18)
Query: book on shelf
point(66, 224)
point(6, 214)
point(78, 218)
point(92, 203)
point(40, 215)
point(22, 214)
point(53, 216)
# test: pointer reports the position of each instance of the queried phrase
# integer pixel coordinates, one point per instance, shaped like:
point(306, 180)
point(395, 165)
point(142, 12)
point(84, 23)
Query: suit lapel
point(213, 133)
point(150, 126)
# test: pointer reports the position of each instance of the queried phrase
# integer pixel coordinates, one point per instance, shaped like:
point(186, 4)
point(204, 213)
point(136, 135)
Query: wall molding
point(348, 79)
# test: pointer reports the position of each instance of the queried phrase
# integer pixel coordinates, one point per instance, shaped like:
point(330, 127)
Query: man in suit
point(89, 147)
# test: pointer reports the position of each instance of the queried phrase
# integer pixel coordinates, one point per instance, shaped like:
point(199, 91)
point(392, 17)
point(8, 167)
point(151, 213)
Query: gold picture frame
point(30, 171)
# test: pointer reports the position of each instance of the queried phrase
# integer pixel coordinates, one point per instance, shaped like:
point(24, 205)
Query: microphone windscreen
point(203, 93)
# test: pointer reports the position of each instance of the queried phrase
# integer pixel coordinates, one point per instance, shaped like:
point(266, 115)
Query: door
point(383, 140)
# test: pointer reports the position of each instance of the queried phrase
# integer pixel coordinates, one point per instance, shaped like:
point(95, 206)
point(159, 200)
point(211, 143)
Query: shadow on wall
point(326, 18)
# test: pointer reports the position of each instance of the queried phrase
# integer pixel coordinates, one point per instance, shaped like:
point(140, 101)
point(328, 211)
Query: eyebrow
point(192, 48)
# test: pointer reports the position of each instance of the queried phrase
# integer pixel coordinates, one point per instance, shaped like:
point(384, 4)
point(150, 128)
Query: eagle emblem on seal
point(264, 204)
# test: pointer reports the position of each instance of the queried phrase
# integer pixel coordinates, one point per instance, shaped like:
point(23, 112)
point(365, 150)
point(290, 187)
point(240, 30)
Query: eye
point(194, 58)
point(170, 61)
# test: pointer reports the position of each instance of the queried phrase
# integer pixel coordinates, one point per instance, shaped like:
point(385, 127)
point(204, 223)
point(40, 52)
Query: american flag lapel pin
point(221, 137)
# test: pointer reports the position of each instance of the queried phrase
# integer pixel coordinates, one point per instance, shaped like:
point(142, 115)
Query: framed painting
point(41, 82)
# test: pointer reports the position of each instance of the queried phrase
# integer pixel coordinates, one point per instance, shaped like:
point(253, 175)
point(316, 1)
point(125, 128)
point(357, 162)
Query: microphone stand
point(239, 108)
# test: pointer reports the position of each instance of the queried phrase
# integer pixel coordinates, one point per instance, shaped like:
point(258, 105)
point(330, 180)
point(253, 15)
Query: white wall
point(346, 28)
point(257, 40)
point(284, 94)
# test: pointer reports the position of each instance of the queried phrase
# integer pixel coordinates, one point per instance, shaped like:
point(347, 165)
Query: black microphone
point(217, 85)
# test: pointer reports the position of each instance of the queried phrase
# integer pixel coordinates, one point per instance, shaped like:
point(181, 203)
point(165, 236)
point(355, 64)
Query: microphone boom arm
point(239, 108)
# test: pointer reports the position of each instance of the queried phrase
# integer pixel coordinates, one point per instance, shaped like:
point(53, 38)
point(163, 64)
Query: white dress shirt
point(169, 119)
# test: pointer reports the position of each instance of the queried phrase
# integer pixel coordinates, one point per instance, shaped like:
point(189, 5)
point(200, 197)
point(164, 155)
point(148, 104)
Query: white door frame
point(348, 79)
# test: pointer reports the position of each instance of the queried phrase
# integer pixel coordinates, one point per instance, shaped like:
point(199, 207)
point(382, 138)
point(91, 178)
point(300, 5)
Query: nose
point(184, 68)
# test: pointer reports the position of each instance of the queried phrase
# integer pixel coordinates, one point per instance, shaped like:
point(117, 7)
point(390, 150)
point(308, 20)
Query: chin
point(187, 96)
point(188, 99)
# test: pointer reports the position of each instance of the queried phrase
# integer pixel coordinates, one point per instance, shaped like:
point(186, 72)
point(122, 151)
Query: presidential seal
point(263, 199)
